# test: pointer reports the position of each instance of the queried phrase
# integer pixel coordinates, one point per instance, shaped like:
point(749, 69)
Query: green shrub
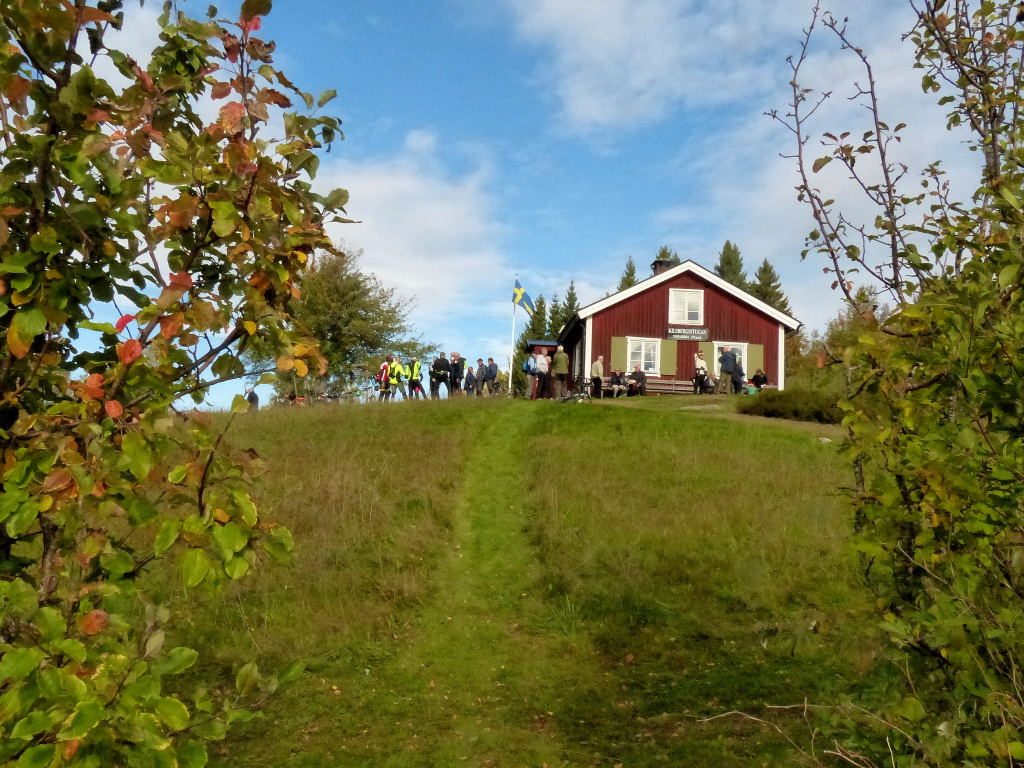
point(799, 404)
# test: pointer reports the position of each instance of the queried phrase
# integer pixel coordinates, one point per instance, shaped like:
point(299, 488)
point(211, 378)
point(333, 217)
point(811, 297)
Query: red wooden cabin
point(661, 322)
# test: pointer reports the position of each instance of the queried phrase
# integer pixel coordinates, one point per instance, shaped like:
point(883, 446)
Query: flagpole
point(512, 354)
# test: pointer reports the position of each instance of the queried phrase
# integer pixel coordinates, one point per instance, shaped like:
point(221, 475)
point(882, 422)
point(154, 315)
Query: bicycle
point(581, 395)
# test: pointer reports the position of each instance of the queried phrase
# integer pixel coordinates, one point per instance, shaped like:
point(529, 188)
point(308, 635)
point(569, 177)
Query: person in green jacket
point(560, 372)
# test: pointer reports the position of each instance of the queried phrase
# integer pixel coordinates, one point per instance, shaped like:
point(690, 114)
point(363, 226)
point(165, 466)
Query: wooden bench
point(669, 386)
point(655, 387)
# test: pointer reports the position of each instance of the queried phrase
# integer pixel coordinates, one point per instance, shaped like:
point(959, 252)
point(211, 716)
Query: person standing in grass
point(396, 379)
point(439, 373)
point(560, 372)
point(701, 380)
point(597, 376)
point(384, 378)
point(481, 376)
point(470, 380)
point(726, 366)
point(491, 376)
point(457, 371)
point(414, 373)
point(540, 373)
point(739, 378)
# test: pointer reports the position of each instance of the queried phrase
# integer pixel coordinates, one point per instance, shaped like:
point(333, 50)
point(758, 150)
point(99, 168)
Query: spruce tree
point(561, 311)
point(571, 305)
point(730, 266)
point(667, 254)
point(554, 318)
point(629, 278)
point(768, 288)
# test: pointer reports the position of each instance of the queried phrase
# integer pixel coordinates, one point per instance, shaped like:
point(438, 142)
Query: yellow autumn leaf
point(250, 327)
point(300, 368)
point(285, 364)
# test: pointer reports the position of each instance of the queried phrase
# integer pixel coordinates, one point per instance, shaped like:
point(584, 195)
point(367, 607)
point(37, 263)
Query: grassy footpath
point(537, 583)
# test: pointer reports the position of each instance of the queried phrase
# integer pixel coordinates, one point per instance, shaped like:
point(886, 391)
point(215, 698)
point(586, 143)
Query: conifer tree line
point(765, 286)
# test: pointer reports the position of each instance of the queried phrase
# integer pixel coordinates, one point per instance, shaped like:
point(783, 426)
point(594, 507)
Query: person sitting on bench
point(618, 384)
point(637, 382)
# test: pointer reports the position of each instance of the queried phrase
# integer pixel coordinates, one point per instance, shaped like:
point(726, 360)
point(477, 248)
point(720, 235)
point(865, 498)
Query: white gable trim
point(699, 271)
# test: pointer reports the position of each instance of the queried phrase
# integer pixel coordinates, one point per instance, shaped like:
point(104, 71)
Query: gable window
point(685, 306)
point(644, 352)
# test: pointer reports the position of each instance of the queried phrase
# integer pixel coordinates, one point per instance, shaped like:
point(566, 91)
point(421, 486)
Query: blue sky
point(554, 138)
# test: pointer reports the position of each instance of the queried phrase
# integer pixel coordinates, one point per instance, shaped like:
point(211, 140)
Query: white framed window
point(685, 306)
point(644, 352)
point(739, 348)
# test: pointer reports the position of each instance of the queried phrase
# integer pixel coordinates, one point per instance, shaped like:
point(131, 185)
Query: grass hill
point(513, 583)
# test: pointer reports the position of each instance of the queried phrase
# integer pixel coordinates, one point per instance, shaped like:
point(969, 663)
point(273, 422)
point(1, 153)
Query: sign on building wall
point(688, 333)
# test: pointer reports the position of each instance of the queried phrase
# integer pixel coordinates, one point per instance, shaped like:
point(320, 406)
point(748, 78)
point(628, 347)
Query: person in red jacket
point(384, 378)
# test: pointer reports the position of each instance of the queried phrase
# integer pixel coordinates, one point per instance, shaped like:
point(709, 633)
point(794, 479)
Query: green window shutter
point(619, 353)
point(668, 357)
point(708, 348)
point(755, 358)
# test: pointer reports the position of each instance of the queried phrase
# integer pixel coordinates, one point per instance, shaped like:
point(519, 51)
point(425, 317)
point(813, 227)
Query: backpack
point(530, 366)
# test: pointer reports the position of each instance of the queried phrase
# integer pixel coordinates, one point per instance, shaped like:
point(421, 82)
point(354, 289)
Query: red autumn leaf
point(231, 47)
point(231, 116)
point(57, 481)
point(114, 409)
point(157, 137)
point(220, 90)
point(182, 280)
point(93, 622)
point(273, 96)
point(144, 78)
point(71, 748)
point(170, 325)
point(181, 212)
point(94, 16)
point(123, 321)
point(252, 25)
point(92, 387)
point(129, 351)
point(17, 88)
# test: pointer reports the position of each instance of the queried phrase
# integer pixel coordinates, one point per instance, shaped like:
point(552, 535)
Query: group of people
point(455, 374)
point(619, 384)
point(548, 374)
point(731, 375)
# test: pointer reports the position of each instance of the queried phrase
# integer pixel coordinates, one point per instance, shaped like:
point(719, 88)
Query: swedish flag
point(522, 298)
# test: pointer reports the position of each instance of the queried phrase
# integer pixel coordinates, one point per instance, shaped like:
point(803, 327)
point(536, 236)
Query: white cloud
point(746, 191)
point(622, 63)
point(431, 234)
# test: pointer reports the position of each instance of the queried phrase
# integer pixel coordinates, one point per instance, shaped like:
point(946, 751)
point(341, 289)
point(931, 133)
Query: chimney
point(660, 265)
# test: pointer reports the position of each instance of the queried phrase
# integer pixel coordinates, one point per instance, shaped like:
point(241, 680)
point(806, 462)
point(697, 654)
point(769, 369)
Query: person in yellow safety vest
point(414, 374)
point(396, 378)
